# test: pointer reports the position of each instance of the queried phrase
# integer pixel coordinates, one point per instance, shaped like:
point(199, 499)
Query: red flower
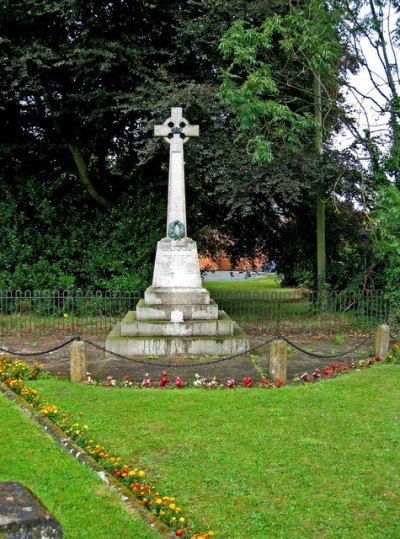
point(335, 367)
point(248, 382)
point(265, 381)
point(305, 377)
point(179, 382)
point(279, 383)
point(345, 366)
point(164, 379)
point(326, 371)
point(180, 532)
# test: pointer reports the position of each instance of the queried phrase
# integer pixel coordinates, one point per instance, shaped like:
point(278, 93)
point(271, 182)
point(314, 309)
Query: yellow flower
point(182, 520)
point(172, 506)
point(159, 501)
point(141, 473)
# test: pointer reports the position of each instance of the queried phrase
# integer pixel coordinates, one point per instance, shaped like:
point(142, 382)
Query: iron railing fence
point(288, 312)
point(63, 312)
point(95, 312)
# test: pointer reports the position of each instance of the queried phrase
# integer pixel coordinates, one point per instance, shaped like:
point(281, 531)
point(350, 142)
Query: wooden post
point(278, 361)
point(78, 361)
point(382, 337)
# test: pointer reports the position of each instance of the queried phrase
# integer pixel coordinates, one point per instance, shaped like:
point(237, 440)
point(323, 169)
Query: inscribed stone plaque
point(177, 264)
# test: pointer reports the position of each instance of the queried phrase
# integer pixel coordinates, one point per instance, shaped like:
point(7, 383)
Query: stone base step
point(132, 327)
point(172, 345)
point(176, 296)
point(163, 312)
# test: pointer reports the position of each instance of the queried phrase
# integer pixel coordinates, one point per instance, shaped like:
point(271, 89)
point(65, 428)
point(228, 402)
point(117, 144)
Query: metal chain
point(192, 364)
point(324, 355)
point(77, 338)
point(176, 365)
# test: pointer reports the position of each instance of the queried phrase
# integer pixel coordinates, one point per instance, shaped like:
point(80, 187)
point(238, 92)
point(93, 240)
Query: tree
point(83, 84)
point(263, 102)
point(371, 30)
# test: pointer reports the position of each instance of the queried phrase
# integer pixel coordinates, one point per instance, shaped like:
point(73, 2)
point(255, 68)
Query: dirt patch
point(306, 352)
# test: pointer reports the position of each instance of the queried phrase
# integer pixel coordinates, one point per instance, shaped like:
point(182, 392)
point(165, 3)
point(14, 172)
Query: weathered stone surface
point(176, 131)
point(22, 516)
point(78, 361)
point(177, 264)
point(382, 339)
point(163, 312)
point(176, 296)
point(130, 326)
point(172, 345)
point(278, 361)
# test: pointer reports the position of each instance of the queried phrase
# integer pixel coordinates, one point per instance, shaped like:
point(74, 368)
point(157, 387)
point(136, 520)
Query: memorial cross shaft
point(176, 131)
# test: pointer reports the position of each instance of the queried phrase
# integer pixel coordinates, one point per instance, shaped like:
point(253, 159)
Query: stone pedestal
point(176, 315)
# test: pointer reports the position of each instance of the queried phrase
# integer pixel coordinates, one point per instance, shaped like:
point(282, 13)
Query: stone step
point(171, 345)
point(163, 312)
point(131, 326)
point(176, 296)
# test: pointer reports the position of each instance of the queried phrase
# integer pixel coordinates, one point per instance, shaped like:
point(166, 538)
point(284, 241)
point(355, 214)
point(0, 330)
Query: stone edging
point(70, 447)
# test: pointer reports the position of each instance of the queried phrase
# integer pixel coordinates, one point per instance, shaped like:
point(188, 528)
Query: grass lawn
point(82, 503)
point(319, 461)
point(269, 283)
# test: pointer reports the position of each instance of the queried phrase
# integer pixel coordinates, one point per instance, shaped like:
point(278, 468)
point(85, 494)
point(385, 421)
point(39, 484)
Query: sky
point(365, 111)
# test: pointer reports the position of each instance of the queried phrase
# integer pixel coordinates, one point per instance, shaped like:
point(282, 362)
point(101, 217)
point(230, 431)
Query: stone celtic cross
point(176, 130)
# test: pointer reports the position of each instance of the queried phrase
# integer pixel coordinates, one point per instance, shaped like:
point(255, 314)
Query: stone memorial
point(176, 315)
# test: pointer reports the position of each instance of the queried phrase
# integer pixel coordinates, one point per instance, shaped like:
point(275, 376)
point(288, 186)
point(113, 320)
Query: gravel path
point(100, 366)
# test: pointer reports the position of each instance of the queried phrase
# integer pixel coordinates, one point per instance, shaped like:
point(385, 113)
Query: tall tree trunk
point(320, 203)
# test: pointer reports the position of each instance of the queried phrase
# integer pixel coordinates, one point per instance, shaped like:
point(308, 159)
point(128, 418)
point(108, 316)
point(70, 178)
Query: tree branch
point(84, 176)
point(79, 161)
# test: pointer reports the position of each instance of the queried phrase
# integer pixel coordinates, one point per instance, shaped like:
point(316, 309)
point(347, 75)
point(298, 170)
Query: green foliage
point(83, 85)
point(83, 179)
point(273, 104)
point(88, 247)
point(387, 240)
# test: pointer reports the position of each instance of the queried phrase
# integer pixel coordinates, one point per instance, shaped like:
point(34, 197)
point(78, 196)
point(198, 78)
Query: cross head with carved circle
point(176, 130)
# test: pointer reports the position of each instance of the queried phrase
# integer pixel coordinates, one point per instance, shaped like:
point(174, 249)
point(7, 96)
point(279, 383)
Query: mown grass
point(319, 461)
point(80, 501)
point(269, 283)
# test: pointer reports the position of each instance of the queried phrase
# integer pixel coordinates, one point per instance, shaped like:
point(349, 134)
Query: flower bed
point(14, 373)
